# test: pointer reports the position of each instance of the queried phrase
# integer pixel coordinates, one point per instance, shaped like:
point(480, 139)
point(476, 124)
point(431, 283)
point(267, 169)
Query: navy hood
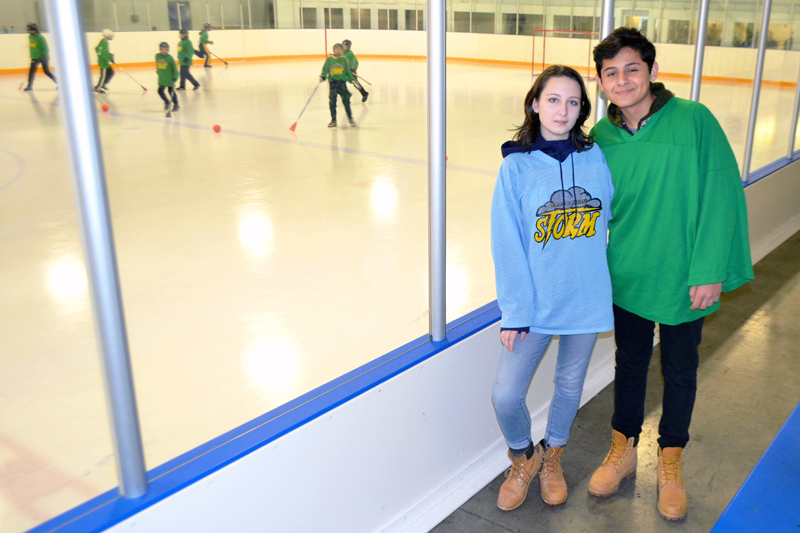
point(558, 150)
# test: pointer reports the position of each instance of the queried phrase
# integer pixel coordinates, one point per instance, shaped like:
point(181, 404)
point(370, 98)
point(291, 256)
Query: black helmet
point(33, 27)
point(347, 42)
point(183, 32)
point(164, 44)
point(206, 26)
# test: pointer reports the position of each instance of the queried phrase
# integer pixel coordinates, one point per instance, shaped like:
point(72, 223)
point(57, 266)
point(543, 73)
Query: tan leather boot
point(671, 494)
point(518, 478)
point(554, 488)
point(619, 463)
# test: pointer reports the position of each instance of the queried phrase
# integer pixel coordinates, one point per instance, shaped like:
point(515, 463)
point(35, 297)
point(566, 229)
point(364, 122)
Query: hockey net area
point(564, 47)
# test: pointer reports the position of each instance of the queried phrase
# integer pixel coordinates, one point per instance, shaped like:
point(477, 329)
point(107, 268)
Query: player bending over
point(202, 46)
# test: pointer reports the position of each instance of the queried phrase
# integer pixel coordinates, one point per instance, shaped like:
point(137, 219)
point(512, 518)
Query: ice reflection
point(458, 287)
point(384, 199)
point(272, 363)
point(66, 280)
point(255, 233)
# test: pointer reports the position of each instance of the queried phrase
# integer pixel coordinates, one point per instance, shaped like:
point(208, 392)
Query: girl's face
point(558, 106)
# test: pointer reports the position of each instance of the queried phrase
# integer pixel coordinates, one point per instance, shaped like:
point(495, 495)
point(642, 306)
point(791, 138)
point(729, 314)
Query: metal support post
point(437, 142)
point(606, 27)
point(149, 22)
point(88, 178)
point(249, 15)
point(241, 17)
point(700, 50)
point(751, 128)
point(116, 19)
point(221, 17)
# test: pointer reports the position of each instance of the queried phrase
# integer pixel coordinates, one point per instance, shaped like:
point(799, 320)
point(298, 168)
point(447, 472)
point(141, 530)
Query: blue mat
point(769, 499)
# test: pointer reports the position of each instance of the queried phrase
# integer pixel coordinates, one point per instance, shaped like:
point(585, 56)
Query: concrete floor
point(749, 365)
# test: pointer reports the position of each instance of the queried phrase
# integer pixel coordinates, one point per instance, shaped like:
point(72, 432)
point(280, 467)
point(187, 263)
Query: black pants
point(339, 87)
point(45, 67)
point(105, 77)
point(202, 52)
point(357, 85)
point(162, 89)
point(186, 75)
point(679, 361)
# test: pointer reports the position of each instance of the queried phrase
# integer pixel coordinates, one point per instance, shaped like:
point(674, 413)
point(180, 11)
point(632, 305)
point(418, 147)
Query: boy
point(185, 54)
point(167, 76)
point(351, 58)
point(40, 53)
point(678, 237)
point(104, 60)
point(202, 45)
point(337, 70)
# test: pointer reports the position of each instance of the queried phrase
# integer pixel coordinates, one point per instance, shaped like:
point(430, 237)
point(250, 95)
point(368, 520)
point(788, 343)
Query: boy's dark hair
point(624, 38)
point(531, 127)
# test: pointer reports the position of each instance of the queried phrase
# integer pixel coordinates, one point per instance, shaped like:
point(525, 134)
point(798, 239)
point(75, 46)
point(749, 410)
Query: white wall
point(141, 47)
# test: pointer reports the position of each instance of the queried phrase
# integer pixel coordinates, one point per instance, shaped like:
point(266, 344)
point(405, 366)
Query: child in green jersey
point(353, 60)
point(185, 54)
point(167, 76)
point(202, 47)
point(337, 70)
point(104, 60)
point(40, 53)
point(678, 237)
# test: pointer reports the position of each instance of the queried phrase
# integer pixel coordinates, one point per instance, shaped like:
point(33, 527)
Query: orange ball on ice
point(104, 107)
point(217, 128)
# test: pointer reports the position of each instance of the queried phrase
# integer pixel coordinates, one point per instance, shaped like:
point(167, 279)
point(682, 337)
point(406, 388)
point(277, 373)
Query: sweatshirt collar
point(662, 94)
point(558, 150)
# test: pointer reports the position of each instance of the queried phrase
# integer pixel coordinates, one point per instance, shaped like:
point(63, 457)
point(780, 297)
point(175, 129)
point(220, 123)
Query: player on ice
point(167, 76)
point(104, 60)
point(40, 53)
point(351, 58)
point(337, 70)
point(202, 45)
point(185, 54)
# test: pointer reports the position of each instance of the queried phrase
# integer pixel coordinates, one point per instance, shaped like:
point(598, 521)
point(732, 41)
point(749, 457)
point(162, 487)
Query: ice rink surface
point(256, 263)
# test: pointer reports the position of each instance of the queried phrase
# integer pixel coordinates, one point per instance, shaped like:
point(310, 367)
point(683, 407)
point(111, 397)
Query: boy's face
point(337, 51)
point(626, 79)
point(164, 51)
point(346, 47)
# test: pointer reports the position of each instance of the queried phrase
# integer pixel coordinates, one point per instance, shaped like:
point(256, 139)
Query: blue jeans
point(514, 375)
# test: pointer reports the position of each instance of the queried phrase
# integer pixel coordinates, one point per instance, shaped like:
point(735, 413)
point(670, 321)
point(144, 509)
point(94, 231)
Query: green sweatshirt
point(679, 217)
point(337, 69)
point(167, 71)
point(38, 46)
point(351, 58)
point(185, 52)
point(103, 54)
point(203, 37)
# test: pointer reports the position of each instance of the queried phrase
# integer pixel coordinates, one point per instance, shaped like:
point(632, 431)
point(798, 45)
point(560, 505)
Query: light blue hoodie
point(549, 238)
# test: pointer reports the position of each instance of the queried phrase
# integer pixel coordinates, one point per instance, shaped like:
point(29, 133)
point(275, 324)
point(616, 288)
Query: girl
point(549, 216)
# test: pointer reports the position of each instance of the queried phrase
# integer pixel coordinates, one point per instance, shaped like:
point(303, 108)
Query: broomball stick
point(304, 107)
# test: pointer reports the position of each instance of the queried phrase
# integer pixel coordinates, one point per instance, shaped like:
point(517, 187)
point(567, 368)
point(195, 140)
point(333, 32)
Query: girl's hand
point(508, 337)
point(704, 296)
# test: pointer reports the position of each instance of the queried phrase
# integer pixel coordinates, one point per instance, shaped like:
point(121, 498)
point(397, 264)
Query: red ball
point(104, 107)
point(217, 128)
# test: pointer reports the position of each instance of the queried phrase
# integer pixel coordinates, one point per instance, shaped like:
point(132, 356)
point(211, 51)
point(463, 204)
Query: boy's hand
point(508, 336)
point(321, 79)
point(704, 296)
point(210, 42)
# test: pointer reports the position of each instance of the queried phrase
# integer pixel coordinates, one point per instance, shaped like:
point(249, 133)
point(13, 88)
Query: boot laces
point(517, 471)
point(671, 470)
point(552, 464)
point(617, 453)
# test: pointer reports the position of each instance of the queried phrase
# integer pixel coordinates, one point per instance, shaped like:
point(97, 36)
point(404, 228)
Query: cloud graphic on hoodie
point(571, 199)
